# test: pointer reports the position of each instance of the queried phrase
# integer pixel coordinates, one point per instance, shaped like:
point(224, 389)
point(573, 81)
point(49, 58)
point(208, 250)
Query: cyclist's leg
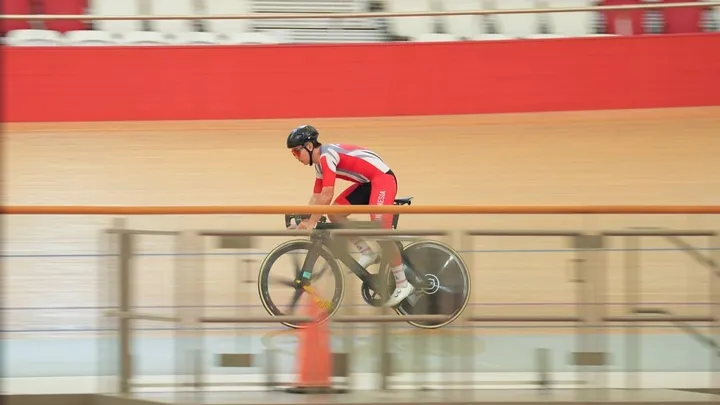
point(383, 192)
point(356, 194)
point(344, 199)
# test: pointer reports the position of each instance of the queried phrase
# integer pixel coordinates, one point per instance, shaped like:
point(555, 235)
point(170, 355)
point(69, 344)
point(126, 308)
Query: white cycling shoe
point(399, 295)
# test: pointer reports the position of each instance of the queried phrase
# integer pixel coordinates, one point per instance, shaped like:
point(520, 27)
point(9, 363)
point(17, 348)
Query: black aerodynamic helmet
point(301, 135)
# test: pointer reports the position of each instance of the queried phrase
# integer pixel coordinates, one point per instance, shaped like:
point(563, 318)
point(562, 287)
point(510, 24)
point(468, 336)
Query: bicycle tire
point(301, 244)
point(408, 249)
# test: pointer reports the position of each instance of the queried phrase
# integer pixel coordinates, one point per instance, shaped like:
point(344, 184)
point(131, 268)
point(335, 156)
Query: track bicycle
point(438, 272)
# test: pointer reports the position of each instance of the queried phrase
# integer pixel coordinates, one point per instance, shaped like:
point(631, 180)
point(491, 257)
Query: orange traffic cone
point(315, 357)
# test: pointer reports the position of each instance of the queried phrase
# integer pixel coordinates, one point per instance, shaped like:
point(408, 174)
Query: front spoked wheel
point(447, 281)
point(283, 284)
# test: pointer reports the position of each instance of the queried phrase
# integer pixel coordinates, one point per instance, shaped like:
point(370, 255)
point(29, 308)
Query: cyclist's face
point(302, 154)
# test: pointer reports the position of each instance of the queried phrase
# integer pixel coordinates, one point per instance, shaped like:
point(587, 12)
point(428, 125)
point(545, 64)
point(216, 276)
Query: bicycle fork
point(321, 302)
point(303, 283)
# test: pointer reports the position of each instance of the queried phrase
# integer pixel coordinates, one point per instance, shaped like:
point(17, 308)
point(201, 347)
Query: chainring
point(369, 290)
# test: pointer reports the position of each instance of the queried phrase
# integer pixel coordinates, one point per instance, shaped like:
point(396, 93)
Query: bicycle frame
point(344, 256)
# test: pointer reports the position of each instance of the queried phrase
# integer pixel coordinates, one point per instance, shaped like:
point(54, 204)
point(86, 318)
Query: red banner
point(293, 81)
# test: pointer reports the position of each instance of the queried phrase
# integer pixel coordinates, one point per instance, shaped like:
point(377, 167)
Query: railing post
point(197, 289)
point(542, 356)
point(349, 332)
point(184, 335)
point(714, 286)
point(633, 330)
point(591, 294)
point(271, 369)
point(385, 363)
point(125, 252)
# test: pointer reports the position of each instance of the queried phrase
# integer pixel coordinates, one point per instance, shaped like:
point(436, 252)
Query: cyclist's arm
point(324, 198)
point(325, 187)
point(313, 198)
point(317, 188)
point(316, 191)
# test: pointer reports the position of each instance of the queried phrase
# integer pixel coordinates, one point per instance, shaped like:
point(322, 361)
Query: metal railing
point(591, 356)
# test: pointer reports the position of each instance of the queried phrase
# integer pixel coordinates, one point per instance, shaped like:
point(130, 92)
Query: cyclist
point(373, 184)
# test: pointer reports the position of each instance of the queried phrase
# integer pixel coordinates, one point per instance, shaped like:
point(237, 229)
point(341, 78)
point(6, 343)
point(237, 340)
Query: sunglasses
point(296, 151)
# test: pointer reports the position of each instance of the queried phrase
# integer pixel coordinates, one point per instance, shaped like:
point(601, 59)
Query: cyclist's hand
point(304, 225)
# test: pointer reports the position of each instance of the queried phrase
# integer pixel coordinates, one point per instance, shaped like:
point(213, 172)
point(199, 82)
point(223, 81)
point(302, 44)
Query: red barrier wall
point(150, 83)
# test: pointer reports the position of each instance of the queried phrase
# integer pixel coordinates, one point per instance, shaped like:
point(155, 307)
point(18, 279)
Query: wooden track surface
point(617, 157)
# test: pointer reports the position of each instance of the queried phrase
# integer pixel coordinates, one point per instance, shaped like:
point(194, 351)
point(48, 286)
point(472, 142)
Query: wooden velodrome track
point(615, 157)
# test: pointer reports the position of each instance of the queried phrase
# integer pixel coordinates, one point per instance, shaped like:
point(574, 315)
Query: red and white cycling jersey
point(348, 162)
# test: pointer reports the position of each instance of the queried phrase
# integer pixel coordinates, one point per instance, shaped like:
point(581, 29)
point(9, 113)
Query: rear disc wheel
point(448, 283)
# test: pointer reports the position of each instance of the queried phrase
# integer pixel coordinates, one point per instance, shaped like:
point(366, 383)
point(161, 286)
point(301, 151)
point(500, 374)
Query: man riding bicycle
point(373, 184)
